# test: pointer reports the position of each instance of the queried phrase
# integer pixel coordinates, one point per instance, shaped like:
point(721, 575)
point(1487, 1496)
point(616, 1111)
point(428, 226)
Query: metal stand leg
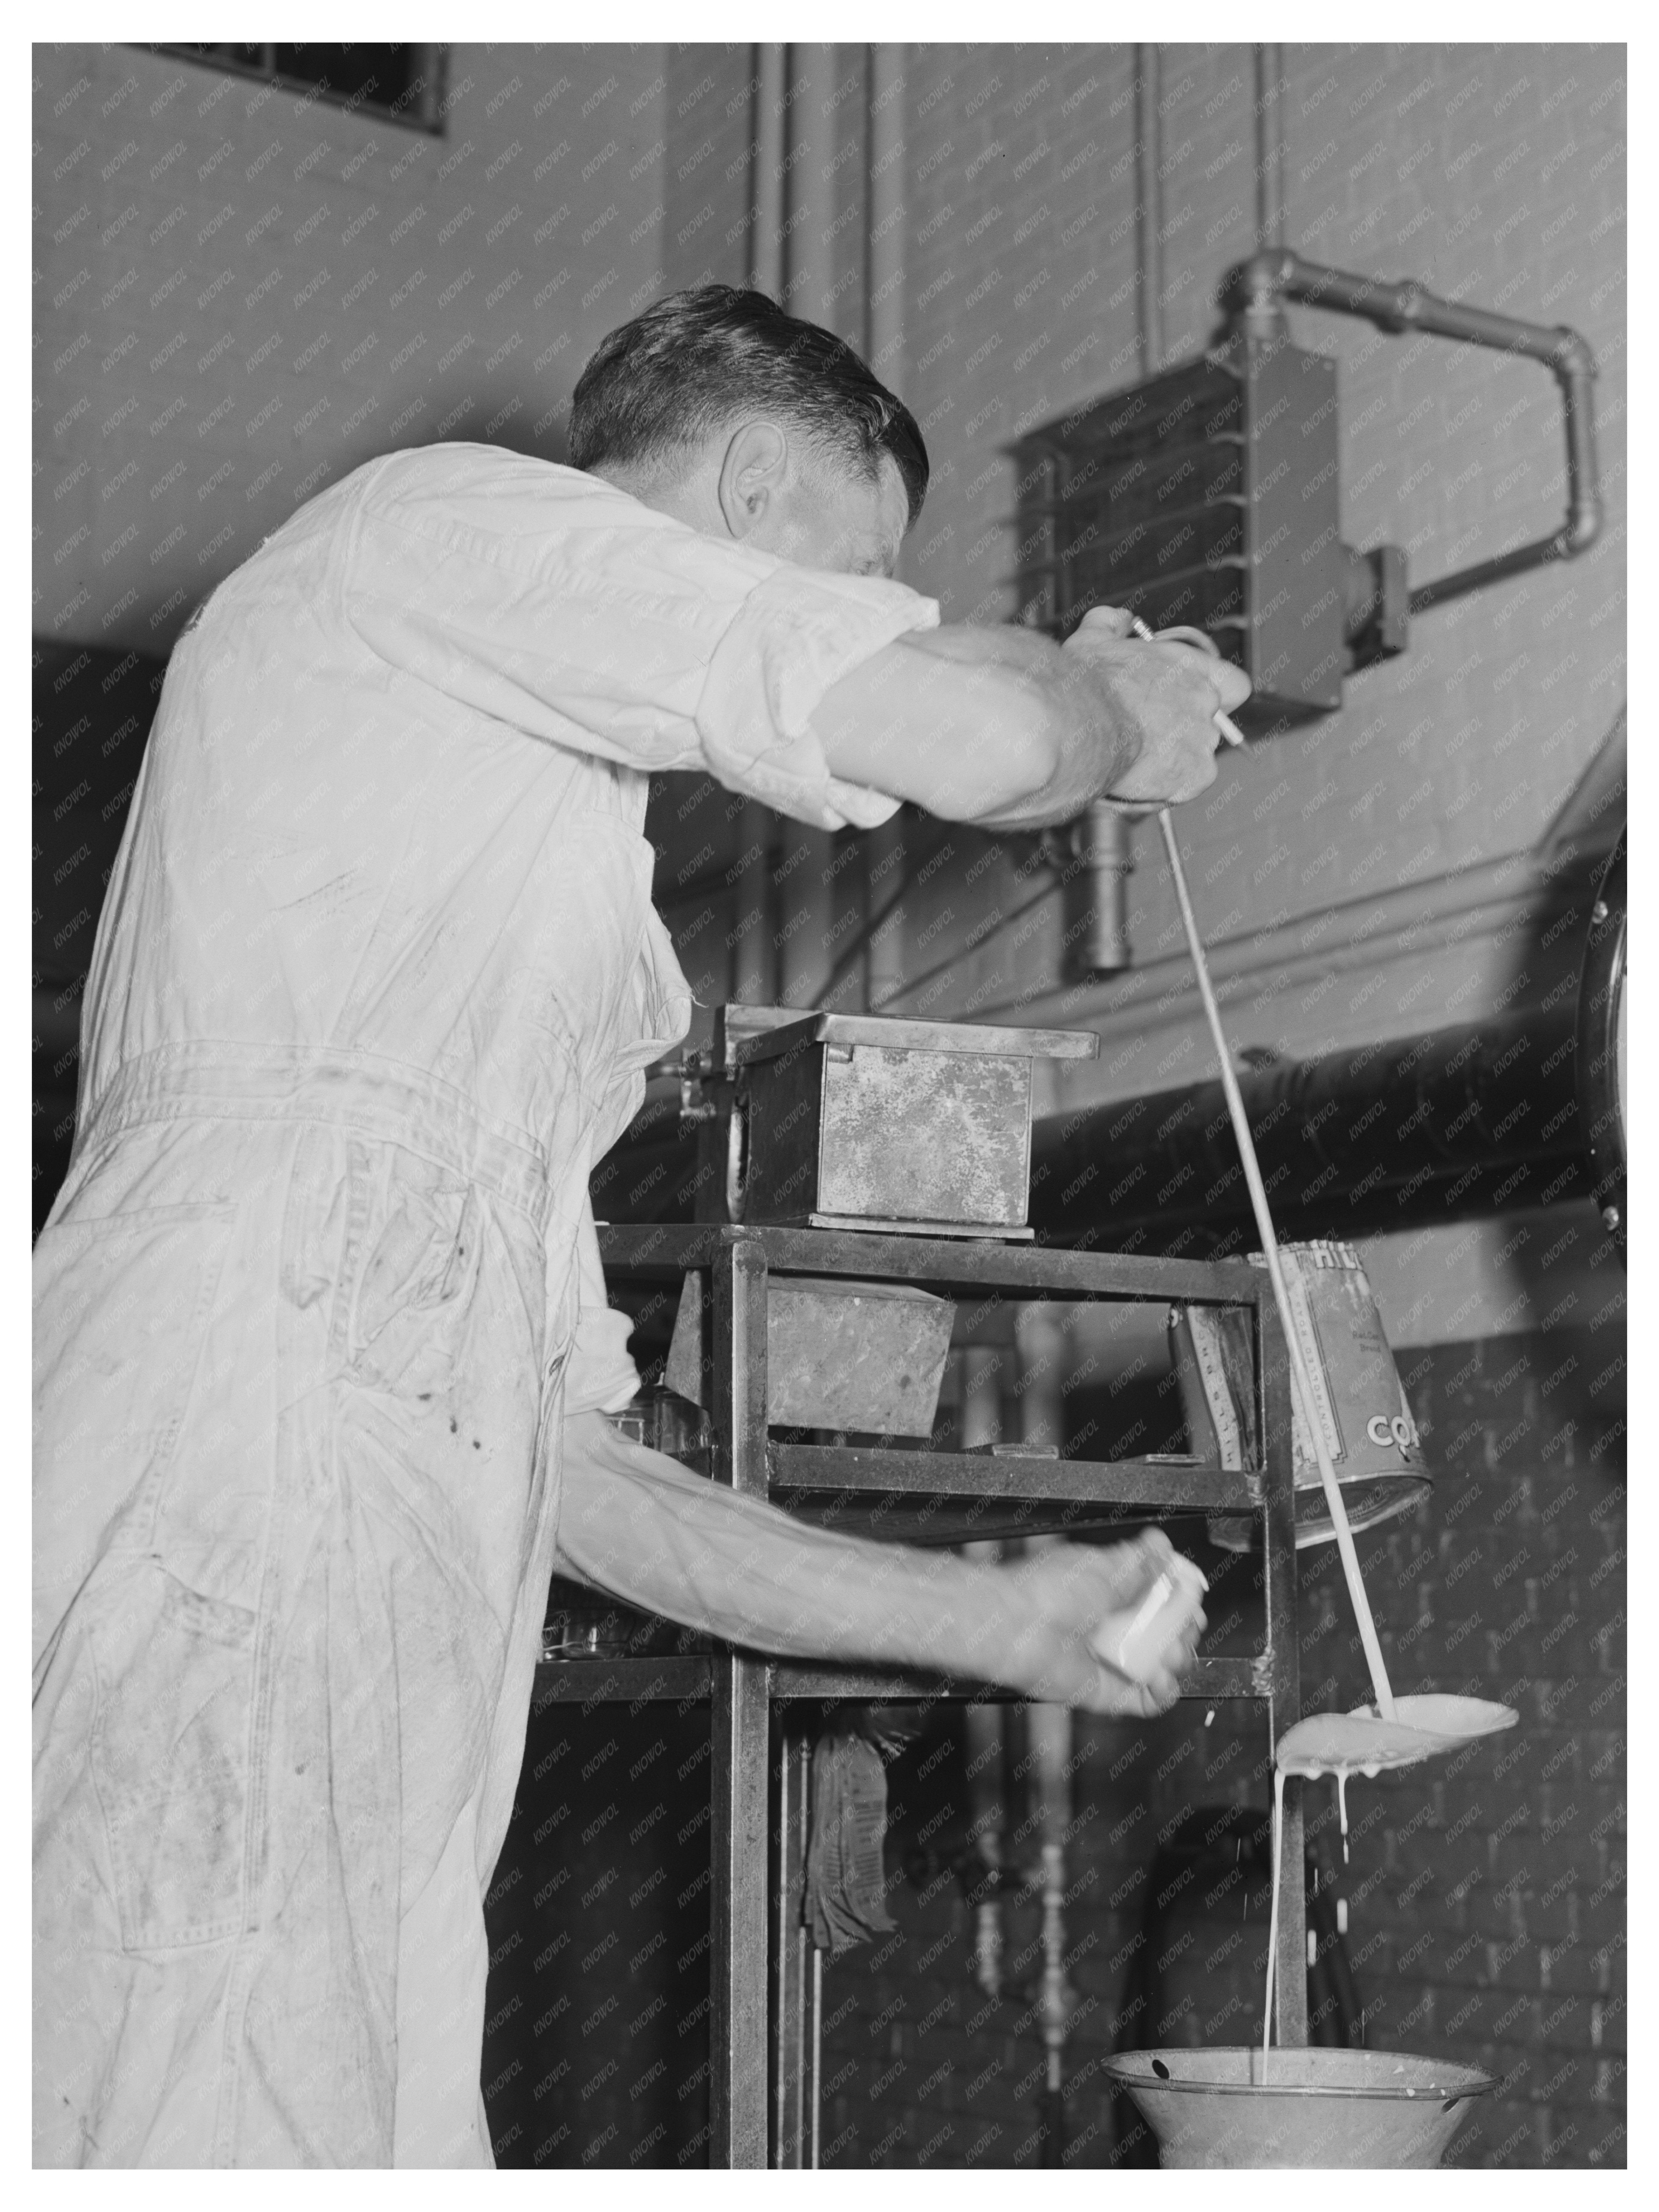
point(740, 1732)
point(795, 2086)
point(1284, 1661)
point(736, 2098)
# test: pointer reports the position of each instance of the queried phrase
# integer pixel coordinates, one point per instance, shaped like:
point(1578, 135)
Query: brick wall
point(240, 295)
point(1486, 1893)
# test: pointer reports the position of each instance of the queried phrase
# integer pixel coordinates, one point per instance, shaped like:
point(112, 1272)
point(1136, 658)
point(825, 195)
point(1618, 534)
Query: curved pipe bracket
point(1254, 290)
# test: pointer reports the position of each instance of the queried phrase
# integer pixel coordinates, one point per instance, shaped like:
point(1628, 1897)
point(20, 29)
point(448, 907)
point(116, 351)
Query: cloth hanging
point(844, 1900)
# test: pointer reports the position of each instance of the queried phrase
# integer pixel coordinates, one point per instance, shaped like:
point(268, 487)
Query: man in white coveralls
point(322, 1356)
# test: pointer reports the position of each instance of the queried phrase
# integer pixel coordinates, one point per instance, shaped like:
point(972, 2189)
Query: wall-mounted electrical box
point(1211, 496)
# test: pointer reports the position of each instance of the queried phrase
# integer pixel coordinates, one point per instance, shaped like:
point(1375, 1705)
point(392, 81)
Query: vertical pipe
point(792, 1973)
point(883, 345)
point(1040, 1341)
point(1095, 893)
point(808, 2086)
point(781, 2100)
point(1102, 839)
point(1269, 146)
point(803, 901)
point(739, 1761)
point(754, 977)
point(1149, 206)
point(986, 1734)
point(817, 2050)
point(428, 63)
point(884, 329)
point(813, 129)
point(766, 169)
point(884, 895)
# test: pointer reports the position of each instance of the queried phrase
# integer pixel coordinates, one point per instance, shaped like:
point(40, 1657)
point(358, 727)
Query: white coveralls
point(376, 982)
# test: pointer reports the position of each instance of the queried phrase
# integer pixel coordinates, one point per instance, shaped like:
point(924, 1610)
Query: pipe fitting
point(1252, 291)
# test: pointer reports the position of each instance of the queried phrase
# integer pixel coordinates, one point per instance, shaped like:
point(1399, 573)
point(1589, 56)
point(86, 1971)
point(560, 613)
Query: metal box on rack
point(869, 1122)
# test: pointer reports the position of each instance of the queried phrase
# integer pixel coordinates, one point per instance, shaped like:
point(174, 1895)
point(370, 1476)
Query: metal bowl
point(1314, 2108)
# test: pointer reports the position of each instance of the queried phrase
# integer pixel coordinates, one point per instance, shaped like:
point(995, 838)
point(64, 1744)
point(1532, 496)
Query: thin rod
point(817, 2046)
point(781, 2087)
point(1302, 1379)
point(803, 1757)
point(1149, 192)
point(1269, 146)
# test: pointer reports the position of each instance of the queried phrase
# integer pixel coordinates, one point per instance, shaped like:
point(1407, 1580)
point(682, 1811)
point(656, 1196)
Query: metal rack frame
point(756, 2064)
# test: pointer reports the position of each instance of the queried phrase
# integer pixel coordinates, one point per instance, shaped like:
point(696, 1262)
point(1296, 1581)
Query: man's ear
point(752, 473)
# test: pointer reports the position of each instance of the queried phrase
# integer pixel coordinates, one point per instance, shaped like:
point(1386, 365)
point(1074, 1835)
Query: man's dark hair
point(666, 381)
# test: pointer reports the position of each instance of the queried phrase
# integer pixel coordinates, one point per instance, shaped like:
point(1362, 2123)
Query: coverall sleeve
point(653, 1534)
point(599, 1377)
point(635, 1524)
point(548, 599)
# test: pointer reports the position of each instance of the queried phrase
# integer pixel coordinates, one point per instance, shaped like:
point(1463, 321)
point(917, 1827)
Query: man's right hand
point(999, 726)
point(1169, 693)
point(1063, 1594)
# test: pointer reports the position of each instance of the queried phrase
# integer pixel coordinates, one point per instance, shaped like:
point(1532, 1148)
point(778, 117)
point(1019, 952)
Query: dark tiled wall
point(1485, 1895)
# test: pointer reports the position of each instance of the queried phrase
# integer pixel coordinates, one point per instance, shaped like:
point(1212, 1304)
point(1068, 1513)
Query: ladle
point(1394, 1732)
point(1302, 1379)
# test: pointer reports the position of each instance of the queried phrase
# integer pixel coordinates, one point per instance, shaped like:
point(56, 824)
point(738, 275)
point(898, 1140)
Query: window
point(404, 84)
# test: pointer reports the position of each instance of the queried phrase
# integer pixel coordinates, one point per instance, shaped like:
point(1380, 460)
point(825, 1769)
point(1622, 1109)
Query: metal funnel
point(1316, 2108)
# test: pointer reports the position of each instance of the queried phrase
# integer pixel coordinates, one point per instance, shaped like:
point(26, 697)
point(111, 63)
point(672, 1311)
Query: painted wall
point(241, 293)
point(1487, 172)
point(1490, 175)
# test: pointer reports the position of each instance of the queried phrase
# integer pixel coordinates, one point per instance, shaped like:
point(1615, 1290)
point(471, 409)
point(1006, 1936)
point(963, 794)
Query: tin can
point(1359, 1402)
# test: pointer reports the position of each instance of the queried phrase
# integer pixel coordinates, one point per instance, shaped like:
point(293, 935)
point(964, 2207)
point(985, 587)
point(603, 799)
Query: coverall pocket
point(170, 1757)
point(121, 1308)
point(413, 1294)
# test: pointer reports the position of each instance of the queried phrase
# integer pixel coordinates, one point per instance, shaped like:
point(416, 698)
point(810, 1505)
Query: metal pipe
point(814, 123)
point(1149, 195)
point(804, 878)
point(754, 980)
point(985, 1727)
point(1269, 146)
point(1442, 1125)
point(1096, 894)
point(817, 2050)
point(883, 327)
point(1255, 289)
point(883, 330)
point(781, 2052)
point(1450, 1122)
point(1042, 1344)
point(767, 180)
point(1096, 931)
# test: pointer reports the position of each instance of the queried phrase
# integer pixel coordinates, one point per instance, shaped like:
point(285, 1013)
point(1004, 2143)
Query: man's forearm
point(1091, 742)
point(982, 724)
point(675, 1544)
